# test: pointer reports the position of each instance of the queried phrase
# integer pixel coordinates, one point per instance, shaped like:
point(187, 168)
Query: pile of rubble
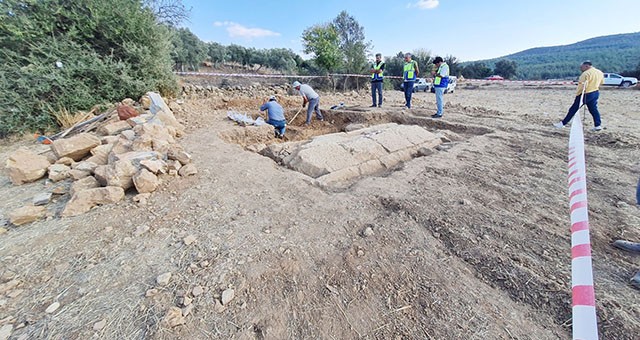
point(129, 150)
point(255, 90)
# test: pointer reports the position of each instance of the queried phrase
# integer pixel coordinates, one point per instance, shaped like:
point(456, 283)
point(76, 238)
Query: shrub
point(72, 55)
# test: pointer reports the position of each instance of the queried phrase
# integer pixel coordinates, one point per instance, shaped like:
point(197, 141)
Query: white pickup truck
point(618, 80)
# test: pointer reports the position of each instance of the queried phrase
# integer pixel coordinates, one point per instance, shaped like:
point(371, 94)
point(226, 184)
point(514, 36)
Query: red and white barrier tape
point(253, 75)
point(585, 324)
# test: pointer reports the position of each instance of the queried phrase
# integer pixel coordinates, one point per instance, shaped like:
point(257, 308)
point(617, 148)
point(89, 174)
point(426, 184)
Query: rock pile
point(255, 90)
point(98, 168)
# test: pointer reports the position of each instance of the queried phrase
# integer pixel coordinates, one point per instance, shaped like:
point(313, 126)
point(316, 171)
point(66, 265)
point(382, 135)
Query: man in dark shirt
point(377, 80)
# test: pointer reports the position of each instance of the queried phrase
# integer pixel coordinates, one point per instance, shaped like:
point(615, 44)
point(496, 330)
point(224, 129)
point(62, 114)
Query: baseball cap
point(587, 62)
point(272, 97)
point(296, 83)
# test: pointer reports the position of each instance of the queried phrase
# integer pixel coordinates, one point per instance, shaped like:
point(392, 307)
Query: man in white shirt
point(309, 96)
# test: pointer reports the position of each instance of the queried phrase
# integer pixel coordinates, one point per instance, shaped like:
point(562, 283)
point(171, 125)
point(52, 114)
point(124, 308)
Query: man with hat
point(275, 116)
point(309, 96)
point(589, 85)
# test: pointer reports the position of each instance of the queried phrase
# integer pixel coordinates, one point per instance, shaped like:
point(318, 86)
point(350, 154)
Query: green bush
point(61, 54)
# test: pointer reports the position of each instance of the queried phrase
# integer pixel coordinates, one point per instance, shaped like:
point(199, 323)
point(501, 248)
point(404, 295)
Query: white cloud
point(425, 4)
point(237, 30)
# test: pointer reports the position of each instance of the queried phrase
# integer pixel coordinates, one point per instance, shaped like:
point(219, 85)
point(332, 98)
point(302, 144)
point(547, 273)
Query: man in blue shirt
point(275, 116)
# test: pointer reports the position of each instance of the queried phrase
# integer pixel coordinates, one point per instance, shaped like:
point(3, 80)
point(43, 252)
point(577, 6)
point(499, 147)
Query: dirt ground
point(469, 242)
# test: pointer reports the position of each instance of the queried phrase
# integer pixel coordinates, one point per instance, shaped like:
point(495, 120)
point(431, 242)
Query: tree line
point(61, 55)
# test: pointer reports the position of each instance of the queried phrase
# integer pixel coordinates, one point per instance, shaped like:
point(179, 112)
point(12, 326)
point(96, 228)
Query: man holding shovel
point(309, 96)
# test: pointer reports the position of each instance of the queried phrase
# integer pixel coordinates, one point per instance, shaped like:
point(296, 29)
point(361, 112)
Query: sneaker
point(374, 105)
point(597, 128)
point(633, 247)
point(436, 116)
point(558, 125)
point(380, 105)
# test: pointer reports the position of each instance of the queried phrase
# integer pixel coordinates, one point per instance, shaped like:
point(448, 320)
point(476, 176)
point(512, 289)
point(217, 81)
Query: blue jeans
point(439, 100)
point(279, 125)
point(408, 91)
point(314, 105)
point(376, 87)
point(591, 100)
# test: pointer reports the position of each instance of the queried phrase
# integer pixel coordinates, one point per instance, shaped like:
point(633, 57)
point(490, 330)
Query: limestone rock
point(76, 174)
point(42, 198)
point(227, 296)
point(188, 170)
point(98, 326)
point(156, 166)
point(128, 134)
point(58, 172)
point(174, 317)
point(120, 174)
point(163, 279)
point(197, 290)
point(88, 182)
point(75, 147)
point(174, 166)
point(100, 174)
point(65, 160)
point(25, 166)
point(162, 111)
point(176, 153)
point(145, 181)
point(113, 129)
point(85, 166)
point(189, 240)
point(83, 201)
point(26, 214)
point(105, 140)
point(52, 307)
point(100, 154)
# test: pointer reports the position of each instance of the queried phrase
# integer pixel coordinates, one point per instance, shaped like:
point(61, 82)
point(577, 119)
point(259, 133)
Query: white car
point(618, 80)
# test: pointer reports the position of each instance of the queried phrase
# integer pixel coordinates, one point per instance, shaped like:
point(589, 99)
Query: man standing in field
point(589, 81)
point(309, 96)
point(377, 80)
point(440, 83)
point(409, 74)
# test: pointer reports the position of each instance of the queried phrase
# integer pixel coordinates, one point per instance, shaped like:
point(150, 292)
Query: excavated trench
point(352, 142)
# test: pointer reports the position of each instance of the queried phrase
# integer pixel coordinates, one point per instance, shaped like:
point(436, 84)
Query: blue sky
point(467, 29)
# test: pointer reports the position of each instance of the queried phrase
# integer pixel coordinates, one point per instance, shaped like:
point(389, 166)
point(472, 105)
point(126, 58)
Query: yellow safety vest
point(377, 76)
point(409, 71)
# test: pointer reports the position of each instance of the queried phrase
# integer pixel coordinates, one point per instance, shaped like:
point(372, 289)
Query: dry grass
point(67, 119)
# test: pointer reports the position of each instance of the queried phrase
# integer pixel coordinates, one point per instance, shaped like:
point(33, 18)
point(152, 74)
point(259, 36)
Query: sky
point(467, 29)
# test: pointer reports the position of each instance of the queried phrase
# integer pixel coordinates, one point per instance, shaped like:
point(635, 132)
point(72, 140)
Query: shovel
point(296, 115)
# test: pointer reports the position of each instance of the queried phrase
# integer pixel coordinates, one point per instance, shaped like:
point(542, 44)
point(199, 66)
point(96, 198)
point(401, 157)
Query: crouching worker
point(275, 116)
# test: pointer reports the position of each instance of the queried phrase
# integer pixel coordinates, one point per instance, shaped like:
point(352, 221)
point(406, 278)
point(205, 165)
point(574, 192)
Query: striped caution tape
point(253, 75)
point(585, 324)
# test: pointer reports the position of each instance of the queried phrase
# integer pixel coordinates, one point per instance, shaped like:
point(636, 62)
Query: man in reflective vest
point(409, 74)
point(377, 79)
point(440, 83)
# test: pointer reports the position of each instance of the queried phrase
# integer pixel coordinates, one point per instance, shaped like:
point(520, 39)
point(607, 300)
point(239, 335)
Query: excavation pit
point(351, 143)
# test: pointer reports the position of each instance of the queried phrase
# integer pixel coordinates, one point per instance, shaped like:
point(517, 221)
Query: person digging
point(275, 116)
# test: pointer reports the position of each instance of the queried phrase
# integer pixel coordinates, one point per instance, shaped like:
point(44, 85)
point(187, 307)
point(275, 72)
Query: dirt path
point(470, 242)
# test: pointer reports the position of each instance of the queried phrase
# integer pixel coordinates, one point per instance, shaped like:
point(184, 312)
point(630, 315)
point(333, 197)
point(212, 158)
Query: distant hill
point(612, 53)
